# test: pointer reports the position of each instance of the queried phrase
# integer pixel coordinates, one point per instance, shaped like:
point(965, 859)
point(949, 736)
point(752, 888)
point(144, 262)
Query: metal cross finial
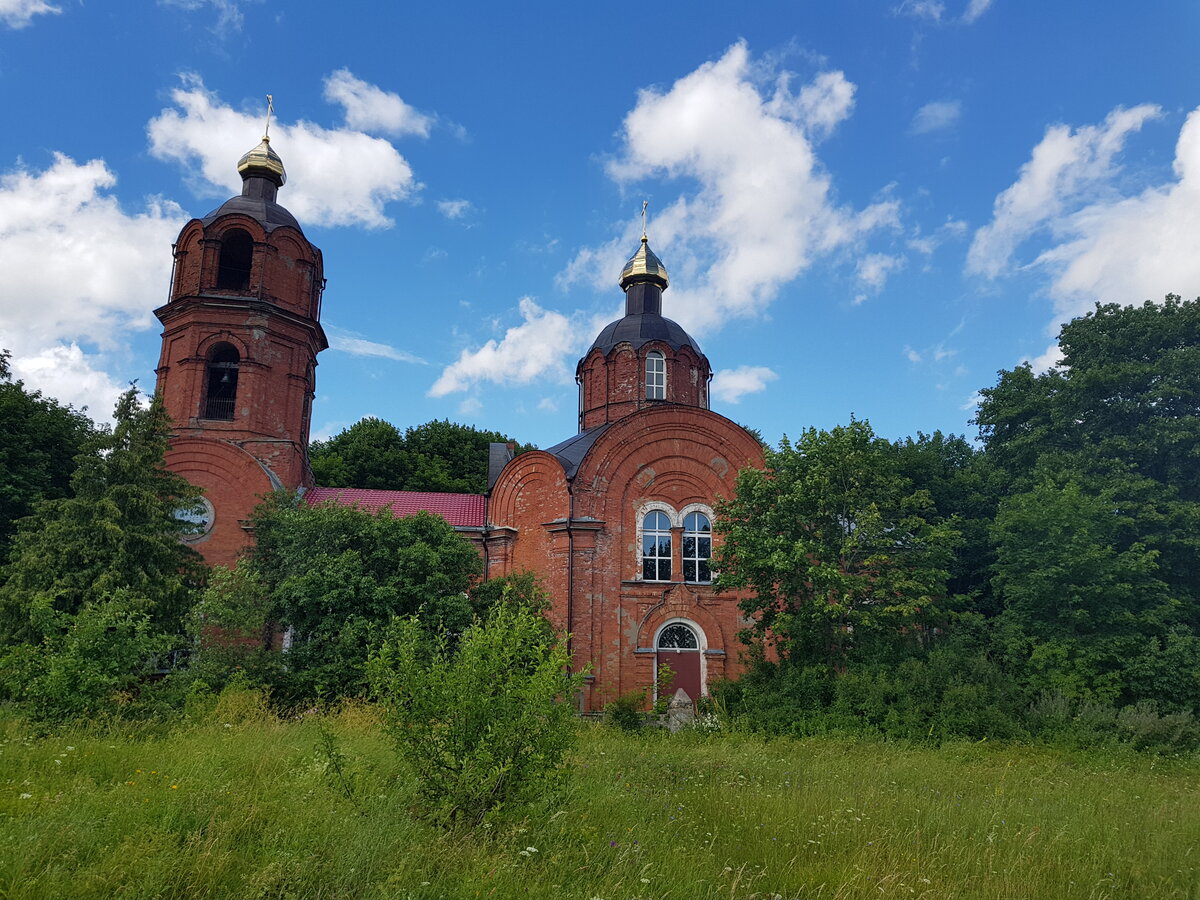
point(270, 109)
point(645, 203)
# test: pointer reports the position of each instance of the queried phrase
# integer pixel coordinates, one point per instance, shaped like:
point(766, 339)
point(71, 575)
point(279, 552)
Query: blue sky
point(866, 208)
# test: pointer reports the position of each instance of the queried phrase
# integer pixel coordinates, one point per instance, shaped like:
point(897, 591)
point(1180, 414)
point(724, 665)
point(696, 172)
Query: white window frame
point(702, 510)
point(656, 376)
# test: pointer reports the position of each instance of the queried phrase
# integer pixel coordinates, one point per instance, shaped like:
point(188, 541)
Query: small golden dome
point(644, 266)
point(263, 162)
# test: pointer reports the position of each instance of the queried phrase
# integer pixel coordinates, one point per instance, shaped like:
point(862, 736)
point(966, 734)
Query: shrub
point(627, 712)
point(481, 721)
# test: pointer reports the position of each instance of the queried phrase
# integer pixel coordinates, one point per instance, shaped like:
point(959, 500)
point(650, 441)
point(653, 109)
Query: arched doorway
point(679, 644)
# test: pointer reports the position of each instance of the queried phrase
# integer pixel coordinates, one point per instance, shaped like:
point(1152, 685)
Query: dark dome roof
point(641, 328)
point(268, 213)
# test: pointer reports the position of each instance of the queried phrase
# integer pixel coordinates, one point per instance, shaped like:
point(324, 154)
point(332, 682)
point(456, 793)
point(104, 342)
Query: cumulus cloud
point(731, 385)
point(19, 13)
point(370, 108)
point(532, 350)
point(454, 209)
point(348, 342)
point(1065, 167)
point(936, 116)
point(339, 176)
point(762, 209)
point(873, 270)
point(79, 273)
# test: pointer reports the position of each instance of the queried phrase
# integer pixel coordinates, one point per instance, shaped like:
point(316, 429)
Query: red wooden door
point(686, 666)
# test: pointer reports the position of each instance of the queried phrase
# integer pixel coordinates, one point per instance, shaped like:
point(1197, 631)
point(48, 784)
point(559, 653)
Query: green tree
point(100, 582)
point(334, 574)
point(1101, 530)
point(1082, 594)
point(436, 456)
point(39, 440)
point(483, 720)
point(841, 553)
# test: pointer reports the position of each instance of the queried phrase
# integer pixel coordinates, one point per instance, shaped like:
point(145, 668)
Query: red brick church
point(616, 520)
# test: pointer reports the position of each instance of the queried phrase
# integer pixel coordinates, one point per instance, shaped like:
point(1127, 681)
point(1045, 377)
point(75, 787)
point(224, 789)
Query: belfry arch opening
point(233, 267)
point(220, 390)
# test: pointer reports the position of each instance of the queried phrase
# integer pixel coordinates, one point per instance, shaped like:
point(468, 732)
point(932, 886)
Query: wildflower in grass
point(26, 796)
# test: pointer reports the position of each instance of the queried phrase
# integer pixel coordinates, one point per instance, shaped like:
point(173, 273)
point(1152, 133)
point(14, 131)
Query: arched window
point(656, 546)
point(220, 392)
point(656, 376)
point(233, 269)
point(697, 548)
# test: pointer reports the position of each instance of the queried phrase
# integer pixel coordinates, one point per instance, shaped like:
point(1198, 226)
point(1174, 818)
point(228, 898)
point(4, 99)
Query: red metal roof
point(460, 510)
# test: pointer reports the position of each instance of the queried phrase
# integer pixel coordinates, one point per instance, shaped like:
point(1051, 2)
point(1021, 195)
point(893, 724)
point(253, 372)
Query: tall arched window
point(220, 391)
point(697, 548)
point(656, 546)
point(656, 376)
point(233, 269)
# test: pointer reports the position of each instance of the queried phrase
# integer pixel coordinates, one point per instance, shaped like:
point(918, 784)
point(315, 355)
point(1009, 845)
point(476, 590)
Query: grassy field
point(243, 805)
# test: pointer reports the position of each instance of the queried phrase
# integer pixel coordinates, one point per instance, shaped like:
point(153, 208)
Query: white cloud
point(229, 12)
point(19, 13)
point(763, 208)
point(731, 385)
point(874, 268)
point(548, 404)
point(370, 108)
point(1098, 244)
point(972, 402)
point(1064, 167)
point(532, 350)
point(470, 406)
point(1049, 358)
point(454, 209)
point(348, 342)
point(935, 10)
point(912, 355)
point(79, 273)
point(975, 9)
point(335, 176)
point(935, 116)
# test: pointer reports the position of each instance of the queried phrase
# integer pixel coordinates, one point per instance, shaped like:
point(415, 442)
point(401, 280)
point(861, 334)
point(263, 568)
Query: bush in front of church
point(482, 719)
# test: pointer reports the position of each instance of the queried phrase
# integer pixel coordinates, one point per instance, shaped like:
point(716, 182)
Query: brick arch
point(681, 602)
point(233, 481)
point(534, 477)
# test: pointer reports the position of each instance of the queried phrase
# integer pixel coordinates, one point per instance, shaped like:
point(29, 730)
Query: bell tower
point(241, 334)
point(643, 359)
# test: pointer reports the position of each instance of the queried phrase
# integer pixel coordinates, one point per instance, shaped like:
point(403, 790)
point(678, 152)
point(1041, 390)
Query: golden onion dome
point(644, 266)
point(263, 162)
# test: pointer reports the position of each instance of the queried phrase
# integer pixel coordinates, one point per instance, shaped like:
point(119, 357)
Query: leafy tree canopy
point(336, 573)
point(436, 456)
point(39, 440)
point(838, 547)
point(117, 532)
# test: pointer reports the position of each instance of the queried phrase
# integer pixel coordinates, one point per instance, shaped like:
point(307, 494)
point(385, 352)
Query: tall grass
point(244, 805)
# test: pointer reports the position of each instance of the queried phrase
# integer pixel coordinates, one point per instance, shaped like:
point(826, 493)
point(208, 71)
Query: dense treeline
point(436, 456)
point(1046, 580)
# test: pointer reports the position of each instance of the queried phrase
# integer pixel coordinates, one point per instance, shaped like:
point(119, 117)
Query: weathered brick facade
point(241, 333)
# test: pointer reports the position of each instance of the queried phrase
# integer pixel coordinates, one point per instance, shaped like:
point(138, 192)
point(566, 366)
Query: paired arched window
point(697, 548)
point(220, 389)
point(656, 546)
point(233, 267)
point(658, 549)
point(656, 376)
